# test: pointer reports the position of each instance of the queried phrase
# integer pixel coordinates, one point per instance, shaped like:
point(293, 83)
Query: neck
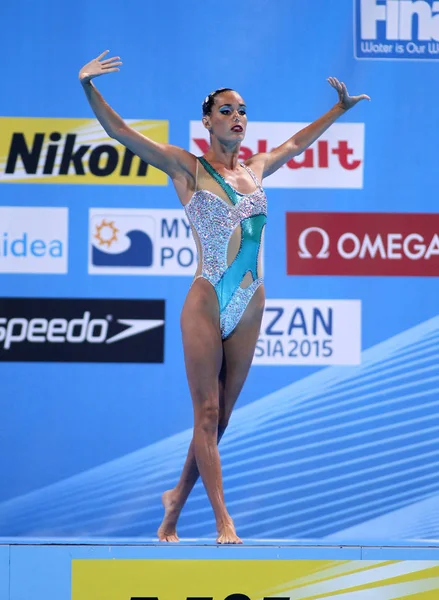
point(223, 154)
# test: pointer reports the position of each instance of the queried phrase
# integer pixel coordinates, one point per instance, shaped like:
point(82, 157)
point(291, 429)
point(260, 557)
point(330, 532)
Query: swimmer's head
point(225, 115)
point(209, 100)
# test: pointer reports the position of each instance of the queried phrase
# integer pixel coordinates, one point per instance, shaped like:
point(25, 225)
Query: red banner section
point(362, 244)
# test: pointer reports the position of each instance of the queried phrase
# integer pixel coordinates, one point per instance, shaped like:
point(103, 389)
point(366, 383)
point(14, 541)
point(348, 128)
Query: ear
point(206, 122)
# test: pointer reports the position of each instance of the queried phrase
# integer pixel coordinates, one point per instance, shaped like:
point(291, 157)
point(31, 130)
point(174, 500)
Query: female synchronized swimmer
point(220, 322)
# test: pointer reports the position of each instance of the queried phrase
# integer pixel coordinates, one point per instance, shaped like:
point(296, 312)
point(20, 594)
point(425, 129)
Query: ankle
point(224, 521)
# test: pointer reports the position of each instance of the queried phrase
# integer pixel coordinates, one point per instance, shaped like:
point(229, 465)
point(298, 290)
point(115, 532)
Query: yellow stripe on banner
point(390, 577)
point(78, 151)
point(320, 575)
point(253, 579)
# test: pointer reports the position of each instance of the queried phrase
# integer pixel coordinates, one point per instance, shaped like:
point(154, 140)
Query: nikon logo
point(74, 151)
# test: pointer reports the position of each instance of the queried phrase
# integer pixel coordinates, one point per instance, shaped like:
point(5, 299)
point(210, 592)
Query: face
point(228, 119)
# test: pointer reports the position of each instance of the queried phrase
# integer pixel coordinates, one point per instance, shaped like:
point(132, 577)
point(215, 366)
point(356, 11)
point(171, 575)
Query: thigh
point(238, 350)
point(203, 351)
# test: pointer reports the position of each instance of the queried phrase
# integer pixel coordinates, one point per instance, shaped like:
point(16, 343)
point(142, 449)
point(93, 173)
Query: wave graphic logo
point(122, 240)
point(140, 241)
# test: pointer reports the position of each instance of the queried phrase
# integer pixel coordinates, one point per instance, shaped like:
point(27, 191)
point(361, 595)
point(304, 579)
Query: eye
point(242, 111)
point(225, 111)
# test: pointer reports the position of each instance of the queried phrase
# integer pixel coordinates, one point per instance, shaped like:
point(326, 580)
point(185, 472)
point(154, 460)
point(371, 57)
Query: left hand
point(345, 101)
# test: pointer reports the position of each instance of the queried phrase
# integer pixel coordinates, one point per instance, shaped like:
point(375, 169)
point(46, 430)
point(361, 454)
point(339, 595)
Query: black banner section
point(81, 330)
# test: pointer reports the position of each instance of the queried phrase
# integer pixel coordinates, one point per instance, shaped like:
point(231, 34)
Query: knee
point(223, 422)
point(207, 418)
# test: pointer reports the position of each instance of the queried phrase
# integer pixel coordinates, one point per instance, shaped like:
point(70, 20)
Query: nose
point(236, 117)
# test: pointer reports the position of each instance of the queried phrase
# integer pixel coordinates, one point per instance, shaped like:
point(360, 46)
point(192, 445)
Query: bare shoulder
point(187, 164)
point(184, 178)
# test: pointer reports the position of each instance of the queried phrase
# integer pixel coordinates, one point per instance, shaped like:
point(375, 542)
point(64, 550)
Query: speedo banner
point(252, 579)
point(34, 150)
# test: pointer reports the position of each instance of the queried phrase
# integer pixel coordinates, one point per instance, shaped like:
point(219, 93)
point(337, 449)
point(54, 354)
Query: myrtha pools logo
point(140, 242)
point(406, 29)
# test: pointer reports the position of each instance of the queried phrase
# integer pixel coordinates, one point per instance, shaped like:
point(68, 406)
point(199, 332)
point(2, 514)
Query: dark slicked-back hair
point(209, 101)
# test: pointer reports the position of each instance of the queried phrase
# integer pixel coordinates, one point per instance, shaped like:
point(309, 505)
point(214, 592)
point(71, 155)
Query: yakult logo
point(334, 161)
point(362, 244)
point(397, 29)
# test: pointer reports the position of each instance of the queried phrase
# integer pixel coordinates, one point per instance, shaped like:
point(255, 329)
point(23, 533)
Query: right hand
point(97, 67)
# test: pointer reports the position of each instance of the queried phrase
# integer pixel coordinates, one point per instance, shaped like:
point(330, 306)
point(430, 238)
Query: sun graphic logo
point(122, 240)
point(106, 233)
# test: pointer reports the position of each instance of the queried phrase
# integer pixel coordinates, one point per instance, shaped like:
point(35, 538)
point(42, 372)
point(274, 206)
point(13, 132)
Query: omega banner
point(362, 244)
point(252, 579)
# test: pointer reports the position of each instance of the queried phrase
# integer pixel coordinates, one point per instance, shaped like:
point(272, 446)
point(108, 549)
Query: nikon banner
point(34, 150)
point(253, 579)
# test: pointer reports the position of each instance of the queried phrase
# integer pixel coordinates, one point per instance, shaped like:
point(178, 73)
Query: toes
point(168, 537)
point(223, 539)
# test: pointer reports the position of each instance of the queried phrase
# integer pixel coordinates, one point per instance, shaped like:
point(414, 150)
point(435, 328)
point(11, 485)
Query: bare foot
point(227, 534)
point(167, 531)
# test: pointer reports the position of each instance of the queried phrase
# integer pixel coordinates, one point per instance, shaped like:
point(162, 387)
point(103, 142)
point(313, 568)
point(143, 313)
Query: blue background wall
point(86, 449)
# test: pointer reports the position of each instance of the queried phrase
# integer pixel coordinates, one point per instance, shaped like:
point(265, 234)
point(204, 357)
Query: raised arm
point(269, 162)
point(174, 161)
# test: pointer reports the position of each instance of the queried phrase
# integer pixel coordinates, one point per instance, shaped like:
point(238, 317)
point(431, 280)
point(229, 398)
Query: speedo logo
point(73, 151)
point(76, 331)
point(81, 330)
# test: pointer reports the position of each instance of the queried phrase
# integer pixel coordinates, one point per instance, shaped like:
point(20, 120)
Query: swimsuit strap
point(231, 193)
point(252, 175)
point(196, 177)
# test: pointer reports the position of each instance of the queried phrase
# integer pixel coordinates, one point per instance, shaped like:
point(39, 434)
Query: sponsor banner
point(362, 244)
point(33, 239)
point(37, 150)
point(336, 160)
point(116, 579)
point(310, 332)
point(396, 29)
point(81, 330)
point(140, 242)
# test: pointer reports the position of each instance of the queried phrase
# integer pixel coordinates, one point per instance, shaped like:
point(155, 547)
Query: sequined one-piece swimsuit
point(228, 230)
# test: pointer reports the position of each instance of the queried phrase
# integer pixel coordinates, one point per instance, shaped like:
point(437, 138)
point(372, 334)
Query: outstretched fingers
point(102, 55)
point(109, 60)
point(335, 83)
point(111, 64)
point(343, 91)
point(360, 97)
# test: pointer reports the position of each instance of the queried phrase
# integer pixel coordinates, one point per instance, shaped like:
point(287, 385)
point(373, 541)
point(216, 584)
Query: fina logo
point(392, 29)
